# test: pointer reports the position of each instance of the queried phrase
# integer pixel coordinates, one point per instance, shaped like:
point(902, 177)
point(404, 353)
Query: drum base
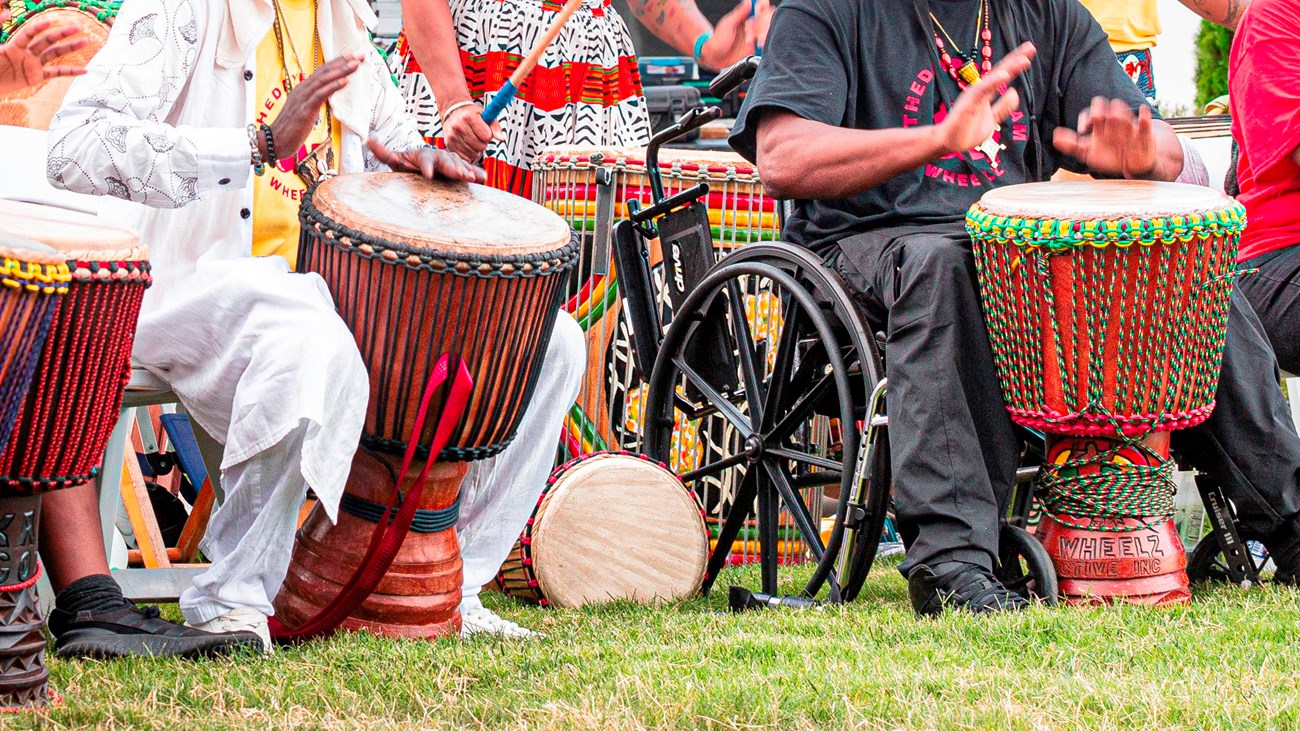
point(419, 596)
point(1110, 562)
point(23, 674)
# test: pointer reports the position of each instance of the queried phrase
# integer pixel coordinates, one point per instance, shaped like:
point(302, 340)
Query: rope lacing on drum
point(425, 521)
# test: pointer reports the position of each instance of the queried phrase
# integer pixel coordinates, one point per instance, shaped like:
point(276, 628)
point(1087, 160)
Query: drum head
point(618, 527)
point(438, 216)
point(1080, 200)
point(74, 235)
point(23, 249)
point(35, 106)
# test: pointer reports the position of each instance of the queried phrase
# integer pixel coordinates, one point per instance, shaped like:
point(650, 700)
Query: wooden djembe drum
point(1106, 305)
point(422, 272)
point(64, 422)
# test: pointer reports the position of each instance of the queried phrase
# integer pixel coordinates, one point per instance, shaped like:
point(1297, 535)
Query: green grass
point(1228, 661)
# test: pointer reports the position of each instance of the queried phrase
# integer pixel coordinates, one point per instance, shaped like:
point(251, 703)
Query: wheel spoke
point(741, 507)
point(768, 522)
point(781, 482)
point(733, 415)
point(787, 344)
point(714, 468)
point(745, 347)
point(800, 410)
point(805, 458)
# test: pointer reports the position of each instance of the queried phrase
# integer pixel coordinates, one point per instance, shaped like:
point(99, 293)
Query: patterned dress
point(585, 91)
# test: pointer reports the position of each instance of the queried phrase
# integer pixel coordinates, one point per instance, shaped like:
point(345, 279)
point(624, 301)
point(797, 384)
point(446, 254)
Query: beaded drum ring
point(1106, 304)
point(608, 526)
point(77, 392)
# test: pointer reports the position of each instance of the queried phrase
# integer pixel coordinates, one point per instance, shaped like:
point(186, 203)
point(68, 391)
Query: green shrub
point(1212, 46)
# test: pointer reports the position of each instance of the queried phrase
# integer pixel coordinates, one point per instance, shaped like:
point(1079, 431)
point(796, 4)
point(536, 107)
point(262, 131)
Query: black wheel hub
point(753, 449)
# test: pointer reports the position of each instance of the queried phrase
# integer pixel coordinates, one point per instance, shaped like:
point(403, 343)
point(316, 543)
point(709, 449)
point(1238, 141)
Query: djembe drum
point(72, 405)
point(35, 106)
point(609, 526)
point(1106, 305)
point(422, 270)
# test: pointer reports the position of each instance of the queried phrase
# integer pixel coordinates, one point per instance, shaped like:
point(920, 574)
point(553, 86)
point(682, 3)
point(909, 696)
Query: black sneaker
point(130, 631)
point(961, 586)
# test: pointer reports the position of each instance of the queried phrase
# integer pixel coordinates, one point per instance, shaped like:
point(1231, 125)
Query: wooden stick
point(511, 87)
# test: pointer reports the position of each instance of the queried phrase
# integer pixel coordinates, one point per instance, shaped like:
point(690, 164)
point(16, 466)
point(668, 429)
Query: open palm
point(27, 58)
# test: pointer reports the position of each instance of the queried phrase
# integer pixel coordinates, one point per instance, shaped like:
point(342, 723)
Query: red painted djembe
point(1106, 305)
point(72, 405)
point(419, 271)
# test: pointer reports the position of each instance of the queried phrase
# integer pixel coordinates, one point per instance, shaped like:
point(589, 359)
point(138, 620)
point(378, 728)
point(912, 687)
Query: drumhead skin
point(24, 249)
point(73, 234)
point(618, 527)
point(1102, 200)
point(438, 216)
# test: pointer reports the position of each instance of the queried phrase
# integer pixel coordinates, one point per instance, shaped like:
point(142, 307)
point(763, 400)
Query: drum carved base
point(419, 597)
point(23, 674)
point(1103, 559)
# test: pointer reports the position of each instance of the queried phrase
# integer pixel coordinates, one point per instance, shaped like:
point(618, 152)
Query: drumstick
point(511, 87)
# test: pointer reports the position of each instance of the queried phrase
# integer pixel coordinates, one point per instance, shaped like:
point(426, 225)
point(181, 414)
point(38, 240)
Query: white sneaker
point(240, 619)
point(483, 621)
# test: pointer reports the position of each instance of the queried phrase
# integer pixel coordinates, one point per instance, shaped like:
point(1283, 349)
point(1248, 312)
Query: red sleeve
point(1264, 82)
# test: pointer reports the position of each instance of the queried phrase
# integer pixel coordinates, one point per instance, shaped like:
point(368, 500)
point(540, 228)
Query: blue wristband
point(699, 44)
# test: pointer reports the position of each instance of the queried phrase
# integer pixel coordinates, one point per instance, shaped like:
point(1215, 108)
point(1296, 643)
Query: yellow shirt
point(278, 193)
point(1132, 26)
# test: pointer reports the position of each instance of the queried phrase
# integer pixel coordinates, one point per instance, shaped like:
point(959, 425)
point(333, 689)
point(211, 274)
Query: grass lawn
point(1228, 661)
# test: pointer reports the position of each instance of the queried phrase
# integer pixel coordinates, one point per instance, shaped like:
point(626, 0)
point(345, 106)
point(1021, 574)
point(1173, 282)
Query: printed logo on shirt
point(282, 177)
point(952, 169)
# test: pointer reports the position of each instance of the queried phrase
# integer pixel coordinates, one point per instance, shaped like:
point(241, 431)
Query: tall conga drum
point(1106, 304)
point(75, 395)
point(420, 270)
point(36, 106)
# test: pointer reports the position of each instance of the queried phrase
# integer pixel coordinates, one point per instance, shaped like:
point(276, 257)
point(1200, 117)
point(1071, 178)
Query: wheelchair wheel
point(1207, 565)
point(766, 360)
point(1024, 566)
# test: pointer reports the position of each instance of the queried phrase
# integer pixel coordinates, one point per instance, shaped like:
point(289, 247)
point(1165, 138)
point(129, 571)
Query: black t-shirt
point(873, 64)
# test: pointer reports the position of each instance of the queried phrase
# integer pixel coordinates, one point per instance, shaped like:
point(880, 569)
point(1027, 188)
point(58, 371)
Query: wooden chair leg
point(187, 547)
point(135, 497)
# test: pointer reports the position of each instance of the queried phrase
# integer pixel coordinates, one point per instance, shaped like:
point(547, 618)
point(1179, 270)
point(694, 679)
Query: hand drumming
point(301, 110)
point(737, 35)
point(27, 59)
point(1111, 140)
point(980, 110)
point(467, 135)
point(432, 164)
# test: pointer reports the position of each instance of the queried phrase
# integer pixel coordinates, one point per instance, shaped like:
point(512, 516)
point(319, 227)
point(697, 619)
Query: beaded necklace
point(313, 168)
point(967, 72)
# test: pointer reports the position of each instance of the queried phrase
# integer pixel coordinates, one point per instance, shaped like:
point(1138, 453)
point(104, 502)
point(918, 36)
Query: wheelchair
point(765, 356)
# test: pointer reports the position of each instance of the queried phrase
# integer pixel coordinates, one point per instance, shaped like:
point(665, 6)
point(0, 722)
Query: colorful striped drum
point(1106, 304)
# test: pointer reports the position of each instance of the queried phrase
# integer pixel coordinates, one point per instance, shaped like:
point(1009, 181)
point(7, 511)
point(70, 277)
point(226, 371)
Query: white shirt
point(159, 120)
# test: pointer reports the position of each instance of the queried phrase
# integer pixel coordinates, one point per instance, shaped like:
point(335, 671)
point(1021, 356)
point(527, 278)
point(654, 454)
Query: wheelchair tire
point(799, 344)
point(1206, 565)
point(1024, 566)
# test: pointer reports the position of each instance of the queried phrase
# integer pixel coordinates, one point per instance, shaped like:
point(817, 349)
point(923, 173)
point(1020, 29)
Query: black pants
point(954, 451)
point(1274, 292)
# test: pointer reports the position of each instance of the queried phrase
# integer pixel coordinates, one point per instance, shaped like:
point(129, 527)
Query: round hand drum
point(65, 419)
point(609, 526)
point(420, 270)
point(1106, 304)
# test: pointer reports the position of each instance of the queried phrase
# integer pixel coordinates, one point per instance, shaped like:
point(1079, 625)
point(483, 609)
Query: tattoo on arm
point(1226, 13)
point(677, 22)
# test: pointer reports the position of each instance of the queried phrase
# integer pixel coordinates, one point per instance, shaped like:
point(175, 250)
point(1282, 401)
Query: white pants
point(263, 363)
point(499, 494)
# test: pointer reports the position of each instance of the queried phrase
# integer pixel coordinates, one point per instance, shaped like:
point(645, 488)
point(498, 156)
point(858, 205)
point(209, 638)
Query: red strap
point(388, 537)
